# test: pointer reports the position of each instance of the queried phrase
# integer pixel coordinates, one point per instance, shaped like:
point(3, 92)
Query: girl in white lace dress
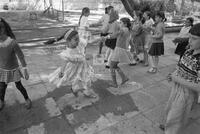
point(76, 71)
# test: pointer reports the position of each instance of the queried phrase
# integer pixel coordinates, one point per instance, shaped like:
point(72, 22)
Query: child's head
point(113, 15)
point(5, 29)
point(125, 22)
point(139, 17)
point(85, 11)
point(72, 38)
point(160, 17)
point(147, 15)
point(189, 21)
point(194, 40)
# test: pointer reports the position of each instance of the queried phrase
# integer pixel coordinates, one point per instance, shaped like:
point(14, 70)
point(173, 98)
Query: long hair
point(84, 11)
point(113, 16)
point(8, 31)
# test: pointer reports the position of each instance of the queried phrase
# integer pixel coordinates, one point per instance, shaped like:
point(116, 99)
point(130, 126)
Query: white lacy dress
point(77, 73)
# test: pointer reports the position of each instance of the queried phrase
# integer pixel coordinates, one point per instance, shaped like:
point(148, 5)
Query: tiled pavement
point(131, 109)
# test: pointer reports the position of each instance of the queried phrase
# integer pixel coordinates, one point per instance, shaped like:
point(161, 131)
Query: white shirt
point(184, 33)
point(84, 22)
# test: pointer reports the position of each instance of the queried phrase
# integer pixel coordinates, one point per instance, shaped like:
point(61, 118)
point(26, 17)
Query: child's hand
point(169, 77)
point(26, 74)
point(61, 74)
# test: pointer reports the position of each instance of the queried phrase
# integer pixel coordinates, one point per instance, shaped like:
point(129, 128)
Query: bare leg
point(122, 75)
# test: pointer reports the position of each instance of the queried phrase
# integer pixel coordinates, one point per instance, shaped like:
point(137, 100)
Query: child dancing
point(9, 66)
point(120, 53)
point(75, 71)
point(186, 85)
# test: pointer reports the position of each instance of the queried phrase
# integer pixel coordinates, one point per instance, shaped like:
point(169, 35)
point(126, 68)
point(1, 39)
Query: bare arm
point(19, 53)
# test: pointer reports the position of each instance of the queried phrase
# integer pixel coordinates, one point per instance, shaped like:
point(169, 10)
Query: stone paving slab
point(157, 114)
point(53, 126)
point(136, 125)
point(17, 116)
point(128, 87)
point(116, 105)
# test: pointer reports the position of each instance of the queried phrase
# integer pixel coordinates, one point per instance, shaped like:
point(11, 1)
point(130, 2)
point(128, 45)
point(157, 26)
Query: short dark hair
point(191, 20)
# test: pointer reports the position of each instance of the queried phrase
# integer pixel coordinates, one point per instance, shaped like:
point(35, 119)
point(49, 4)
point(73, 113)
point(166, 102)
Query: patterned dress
point(181, 98)
point(77, 73)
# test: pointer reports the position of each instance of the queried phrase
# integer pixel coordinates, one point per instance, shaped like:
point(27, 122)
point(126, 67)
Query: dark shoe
point(50, 41)
point(132, 64)
point(162, 127)
point(107, 66)
point(105, 61)
point(28, 104)
point(2, 104)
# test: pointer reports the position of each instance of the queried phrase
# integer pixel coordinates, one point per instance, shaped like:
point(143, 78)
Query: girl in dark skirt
point(9, 67)
point(182, 40)
point(157, 47)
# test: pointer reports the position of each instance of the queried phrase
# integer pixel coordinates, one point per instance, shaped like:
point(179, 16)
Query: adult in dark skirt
point(183, 38)
point(157, 47)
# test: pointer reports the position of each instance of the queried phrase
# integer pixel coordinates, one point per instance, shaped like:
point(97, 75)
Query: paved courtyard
point(135, 108)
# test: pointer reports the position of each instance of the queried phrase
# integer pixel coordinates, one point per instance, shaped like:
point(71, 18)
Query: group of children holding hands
point(117, 36)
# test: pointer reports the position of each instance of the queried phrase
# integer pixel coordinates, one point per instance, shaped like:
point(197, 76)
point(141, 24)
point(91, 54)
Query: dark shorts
point(103, 34)
point(111, 43)
point(157, 49)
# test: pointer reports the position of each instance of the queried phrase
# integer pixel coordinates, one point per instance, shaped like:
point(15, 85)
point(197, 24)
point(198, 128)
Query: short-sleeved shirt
point(189, 67)
point(184, 33)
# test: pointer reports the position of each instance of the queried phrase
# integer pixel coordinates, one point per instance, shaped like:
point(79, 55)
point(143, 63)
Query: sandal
point(152, 70)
